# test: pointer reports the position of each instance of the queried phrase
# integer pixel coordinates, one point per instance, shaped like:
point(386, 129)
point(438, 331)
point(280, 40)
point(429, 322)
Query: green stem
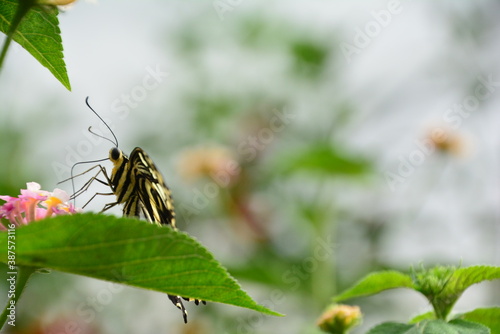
point(323, 279)
point(442, 308)
point(23, 274)
point(22, 10)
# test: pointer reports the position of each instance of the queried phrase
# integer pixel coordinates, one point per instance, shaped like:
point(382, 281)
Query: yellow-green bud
point(339, 319)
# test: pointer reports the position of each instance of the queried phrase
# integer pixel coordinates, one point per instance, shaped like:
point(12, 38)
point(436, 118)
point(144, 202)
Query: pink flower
point(35, 204)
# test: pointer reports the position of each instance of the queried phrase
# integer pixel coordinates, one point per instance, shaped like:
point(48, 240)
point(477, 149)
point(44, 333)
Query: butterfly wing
point(153, 194)
point(152, 198)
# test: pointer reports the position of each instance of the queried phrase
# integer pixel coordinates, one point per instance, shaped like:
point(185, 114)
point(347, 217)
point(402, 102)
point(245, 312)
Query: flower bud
point(339, 319)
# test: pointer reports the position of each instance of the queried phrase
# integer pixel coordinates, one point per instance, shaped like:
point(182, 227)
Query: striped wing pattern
point(140, 187)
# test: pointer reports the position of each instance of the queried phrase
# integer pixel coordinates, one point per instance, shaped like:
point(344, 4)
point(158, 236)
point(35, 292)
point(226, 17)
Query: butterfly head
point(117, 157)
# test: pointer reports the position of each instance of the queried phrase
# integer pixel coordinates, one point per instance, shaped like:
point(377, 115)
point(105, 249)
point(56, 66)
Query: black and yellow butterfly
point(139, 186)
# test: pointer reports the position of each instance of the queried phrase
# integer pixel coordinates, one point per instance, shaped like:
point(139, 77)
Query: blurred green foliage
point(15, 164)
point(309, 58)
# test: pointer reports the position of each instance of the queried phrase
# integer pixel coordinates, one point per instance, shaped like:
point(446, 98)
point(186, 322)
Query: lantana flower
point(34, 204)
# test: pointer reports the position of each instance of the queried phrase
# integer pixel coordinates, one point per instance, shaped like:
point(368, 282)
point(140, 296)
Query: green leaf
point(431, 327)
point(39, 34)
point(424, 316)
point(489, 317)
point(463, 278)
point(323, 159)
point(377, 282)
point(458, 326)
point(128, 251)
point(391, 328)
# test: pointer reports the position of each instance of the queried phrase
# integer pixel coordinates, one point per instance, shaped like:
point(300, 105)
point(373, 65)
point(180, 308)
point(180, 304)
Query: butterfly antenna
point(105, 138)
point(116, 140)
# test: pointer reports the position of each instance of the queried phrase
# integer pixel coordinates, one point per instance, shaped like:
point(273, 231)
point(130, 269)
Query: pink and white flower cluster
point(35, 204)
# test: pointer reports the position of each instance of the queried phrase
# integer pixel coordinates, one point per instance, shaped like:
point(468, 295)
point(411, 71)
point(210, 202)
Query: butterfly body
point(139, 186)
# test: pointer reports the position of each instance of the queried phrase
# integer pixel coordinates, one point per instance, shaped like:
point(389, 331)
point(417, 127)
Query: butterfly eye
point(115, 154)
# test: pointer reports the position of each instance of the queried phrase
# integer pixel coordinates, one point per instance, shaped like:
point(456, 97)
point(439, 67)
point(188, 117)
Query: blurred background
point(306, 144)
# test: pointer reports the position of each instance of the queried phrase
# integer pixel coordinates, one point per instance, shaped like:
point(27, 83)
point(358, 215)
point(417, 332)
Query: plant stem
point(22, 10)
point(323, 279)
point(23, 274)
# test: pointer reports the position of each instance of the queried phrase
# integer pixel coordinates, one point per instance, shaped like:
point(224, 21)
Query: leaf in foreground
point(39, 34)
point(128, 251)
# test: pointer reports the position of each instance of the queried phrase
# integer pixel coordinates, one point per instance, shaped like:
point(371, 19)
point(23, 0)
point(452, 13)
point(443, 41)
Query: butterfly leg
point(196, 301)
point(87, 184)
point(177, 301)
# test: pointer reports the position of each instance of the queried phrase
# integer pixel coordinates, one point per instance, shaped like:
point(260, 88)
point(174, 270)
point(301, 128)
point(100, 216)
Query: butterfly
point(140, 187)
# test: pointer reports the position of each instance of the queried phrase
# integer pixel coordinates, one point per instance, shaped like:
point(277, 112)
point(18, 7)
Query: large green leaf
point(128, 251)
point(39, 34)
point(377, 282)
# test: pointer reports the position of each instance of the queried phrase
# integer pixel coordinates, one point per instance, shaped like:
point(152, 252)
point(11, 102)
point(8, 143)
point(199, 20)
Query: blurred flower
point(61, 323)
point(446, 140)
point(35, 204)
point(339, 319)
point(215, 162)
